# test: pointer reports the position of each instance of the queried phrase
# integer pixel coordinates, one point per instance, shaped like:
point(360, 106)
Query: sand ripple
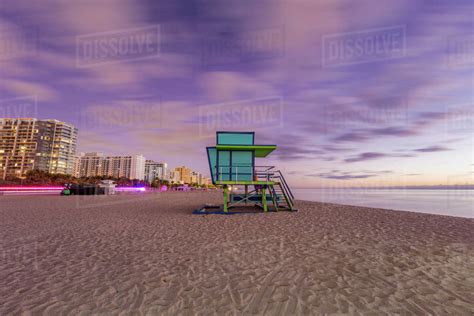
point(147, 255)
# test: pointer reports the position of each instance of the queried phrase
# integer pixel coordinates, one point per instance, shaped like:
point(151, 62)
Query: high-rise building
point(174, 176)
point(196, 177)
point(96, 164)
point(56, 147)
point(75, 166)
point(90, 165)
point(155, 170)
point(183, 174)
point(29, 143)
point(130, 167)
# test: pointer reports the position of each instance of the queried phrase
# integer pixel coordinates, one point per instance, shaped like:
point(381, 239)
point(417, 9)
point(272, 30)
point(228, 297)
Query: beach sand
point(147, 254)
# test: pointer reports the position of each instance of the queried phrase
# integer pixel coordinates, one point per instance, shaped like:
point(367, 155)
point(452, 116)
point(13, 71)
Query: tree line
point(43, 178)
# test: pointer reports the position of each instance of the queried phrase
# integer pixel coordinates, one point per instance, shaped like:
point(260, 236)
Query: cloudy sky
point(353, 92)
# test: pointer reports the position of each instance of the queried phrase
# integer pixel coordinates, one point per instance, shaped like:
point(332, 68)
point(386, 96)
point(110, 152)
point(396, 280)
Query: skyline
point(400, 113)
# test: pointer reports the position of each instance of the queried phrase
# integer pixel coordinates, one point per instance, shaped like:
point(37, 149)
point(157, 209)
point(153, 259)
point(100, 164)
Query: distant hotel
point(29, 143)
point(186, 175)
point(156, 170)
point(133, 167)
point(49, 145)
point(182, 174)
point(96, 164)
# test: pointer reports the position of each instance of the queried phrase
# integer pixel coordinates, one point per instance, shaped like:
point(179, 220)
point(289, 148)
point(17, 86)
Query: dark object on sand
point(82, 189)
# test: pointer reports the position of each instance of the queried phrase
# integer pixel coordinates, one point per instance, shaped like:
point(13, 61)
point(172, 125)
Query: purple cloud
point(432, 149)
point(328, 158)
point(321, 106)
point(433, 116)
point(394, 131)
point(376, 155)
point(331, 148)
point(415, 126)
point(291, 152)
point(368, 134)
point(345, 177)
point(366, 156)
point(352, 137)
point(339, 175)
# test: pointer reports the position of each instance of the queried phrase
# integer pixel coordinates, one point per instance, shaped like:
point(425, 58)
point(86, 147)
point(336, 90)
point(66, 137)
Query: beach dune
point(146, 254)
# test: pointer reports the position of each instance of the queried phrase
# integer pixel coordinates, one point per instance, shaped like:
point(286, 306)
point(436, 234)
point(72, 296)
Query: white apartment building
point(96, 164)
point(155, 170)
point(89, 165)
point(130, 167)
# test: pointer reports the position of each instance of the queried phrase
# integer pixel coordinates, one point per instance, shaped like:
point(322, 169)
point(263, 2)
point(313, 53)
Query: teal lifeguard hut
point(232, 163)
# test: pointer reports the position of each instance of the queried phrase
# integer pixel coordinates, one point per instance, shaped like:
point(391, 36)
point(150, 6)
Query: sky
point(365, 93)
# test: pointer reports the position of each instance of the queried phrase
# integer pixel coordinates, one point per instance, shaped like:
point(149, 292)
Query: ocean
point(444, 202)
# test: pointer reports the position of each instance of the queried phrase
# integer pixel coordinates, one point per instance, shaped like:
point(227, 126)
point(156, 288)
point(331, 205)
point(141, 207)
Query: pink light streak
point(133, 189)
point(30, 188)
point(36, 190)
point(30, 192)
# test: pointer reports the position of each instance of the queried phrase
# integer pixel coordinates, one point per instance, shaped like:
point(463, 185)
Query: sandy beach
point(148, 255)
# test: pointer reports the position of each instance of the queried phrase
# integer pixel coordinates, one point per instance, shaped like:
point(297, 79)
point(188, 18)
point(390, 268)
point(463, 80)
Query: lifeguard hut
point(232, 166)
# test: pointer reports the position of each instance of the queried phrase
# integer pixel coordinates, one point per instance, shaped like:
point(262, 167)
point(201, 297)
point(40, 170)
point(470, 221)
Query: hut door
point(242, 165)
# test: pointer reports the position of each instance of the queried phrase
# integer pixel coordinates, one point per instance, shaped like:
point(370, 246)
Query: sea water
point(444, 202)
